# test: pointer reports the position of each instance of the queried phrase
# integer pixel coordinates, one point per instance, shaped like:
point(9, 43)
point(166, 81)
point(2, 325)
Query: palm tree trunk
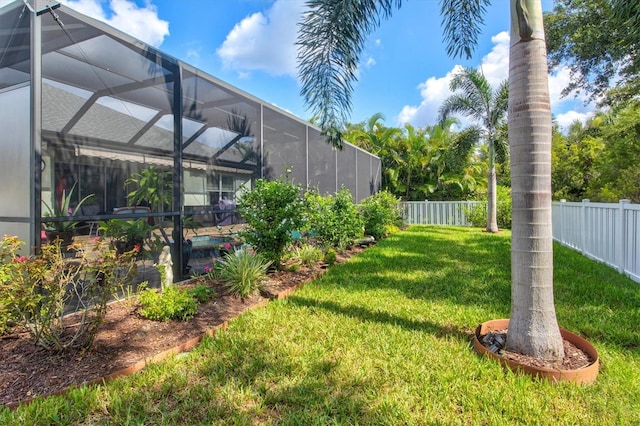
point(533, 328)
point(492, 204)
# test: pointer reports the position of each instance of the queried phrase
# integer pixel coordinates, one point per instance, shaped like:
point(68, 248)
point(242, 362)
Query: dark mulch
point(574, 357)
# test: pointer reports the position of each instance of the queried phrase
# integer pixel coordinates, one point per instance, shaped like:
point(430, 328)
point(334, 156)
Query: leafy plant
point(63, 209)
point(172, 303)
point(39, 290)
point(307, 254)
point(335, 221)
point(380, 212)
point(330, 257)
point(272, 210)
point(242, 272)
point(126, 233)
point(154, 187)
point(201, 293)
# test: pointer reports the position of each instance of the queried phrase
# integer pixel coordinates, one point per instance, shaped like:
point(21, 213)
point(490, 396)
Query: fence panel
point(437, 212)
point(606, 232)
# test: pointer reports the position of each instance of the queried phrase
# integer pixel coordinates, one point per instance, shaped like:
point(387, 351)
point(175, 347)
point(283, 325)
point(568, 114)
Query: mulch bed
point(574, 357)
point(127, 341)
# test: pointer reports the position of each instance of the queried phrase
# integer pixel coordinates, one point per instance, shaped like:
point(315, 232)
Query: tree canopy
point(598, 40)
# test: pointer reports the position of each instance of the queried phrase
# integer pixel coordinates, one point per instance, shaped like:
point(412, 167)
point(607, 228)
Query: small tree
point(272, 210)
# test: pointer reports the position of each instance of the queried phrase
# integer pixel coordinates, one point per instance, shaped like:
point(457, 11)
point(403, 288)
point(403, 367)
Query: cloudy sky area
point(404, 72)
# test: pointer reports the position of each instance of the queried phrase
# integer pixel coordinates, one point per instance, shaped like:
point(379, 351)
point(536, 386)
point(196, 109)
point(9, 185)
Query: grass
point(384, 339)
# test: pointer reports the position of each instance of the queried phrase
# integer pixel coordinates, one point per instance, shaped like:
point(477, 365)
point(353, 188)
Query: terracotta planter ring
point(583, 375)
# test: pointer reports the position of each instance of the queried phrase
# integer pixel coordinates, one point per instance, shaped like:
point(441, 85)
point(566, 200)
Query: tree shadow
point(364, 314)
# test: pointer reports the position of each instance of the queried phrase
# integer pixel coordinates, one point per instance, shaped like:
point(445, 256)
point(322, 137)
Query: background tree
point(476, 99)
point(331, 38)
point(616, 174)
point(572, 160)
point(421, 163)
point(596, 39)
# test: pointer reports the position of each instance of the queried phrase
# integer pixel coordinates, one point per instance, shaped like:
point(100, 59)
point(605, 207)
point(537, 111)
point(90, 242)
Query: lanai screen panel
point(285, 147)
point(322, 164)
point(347, 169)
point(366, 183)
point(223, 124)
point(15, 98)
point(107, 111)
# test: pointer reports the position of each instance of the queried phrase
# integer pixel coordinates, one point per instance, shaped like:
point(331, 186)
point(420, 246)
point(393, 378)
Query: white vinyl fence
point(437, 212)
point(606, 232)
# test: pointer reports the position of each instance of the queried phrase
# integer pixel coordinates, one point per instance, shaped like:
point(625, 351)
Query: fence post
point(563, 203)
point(583, 227)
point(622, 236)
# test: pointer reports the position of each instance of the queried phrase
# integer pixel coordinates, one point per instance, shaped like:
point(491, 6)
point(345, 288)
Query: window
point(221, 187)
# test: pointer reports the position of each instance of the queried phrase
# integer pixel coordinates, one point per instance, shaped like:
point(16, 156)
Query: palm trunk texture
point(492, 203)
point(533, 327)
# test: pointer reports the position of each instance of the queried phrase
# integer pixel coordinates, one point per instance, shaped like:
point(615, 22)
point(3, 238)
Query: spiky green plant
point(243, 272)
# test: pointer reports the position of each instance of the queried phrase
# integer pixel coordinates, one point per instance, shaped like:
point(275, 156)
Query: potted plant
point(62, 231)
point(152, 187)
point(125, 235)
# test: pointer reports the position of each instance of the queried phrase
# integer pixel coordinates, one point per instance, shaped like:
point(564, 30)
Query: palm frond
point(462, 20)
point(331, 37)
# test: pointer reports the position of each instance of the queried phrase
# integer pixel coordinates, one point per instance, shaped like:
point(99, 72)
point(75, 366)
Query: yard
point(384, 339)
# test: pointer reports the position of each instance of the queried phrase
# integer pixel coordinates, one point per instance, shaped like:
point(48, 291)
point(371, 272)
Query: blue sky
point(404, 72)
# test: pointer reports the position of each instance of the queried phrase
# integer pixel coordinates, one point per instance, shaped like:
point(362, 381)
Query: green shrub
point(172, 303)
point(201, 293)
point(242, 272)
point(380, 213)
point(330, 257)
point(477, 215)
point(272, 211)
point(307, 254)
point(335, 221)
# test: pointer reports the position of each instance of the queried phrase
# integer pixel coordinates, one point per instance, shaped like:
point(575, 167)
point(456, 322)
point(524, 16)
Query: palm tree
point(478, 101)
point(331, 39)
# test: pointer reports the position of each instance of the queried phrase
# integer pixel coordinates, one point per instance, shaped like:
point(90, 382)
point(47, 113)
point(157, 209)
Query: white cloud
point(433, 92)
point(495, 66)
point(565, 120)
point(140, 22)
point(264, 41)
point(370, 62)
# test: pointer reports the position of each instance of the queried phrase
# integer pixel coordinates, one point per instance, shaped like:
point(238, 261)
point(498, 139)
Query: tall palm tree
point(331, 39)
point(477, 100)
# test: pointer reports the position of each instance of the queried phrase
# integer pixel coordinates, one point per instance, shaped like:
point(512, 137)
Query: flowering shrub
point(37, 291)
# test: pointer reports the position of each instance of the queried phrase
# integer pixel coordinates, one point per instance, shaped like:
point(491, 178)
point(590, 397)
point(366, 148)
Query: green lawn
point(384, 339)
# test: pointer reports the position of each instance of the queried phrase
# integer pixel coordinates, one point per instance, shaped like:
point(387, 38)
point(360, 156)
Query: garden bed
point(126, 340)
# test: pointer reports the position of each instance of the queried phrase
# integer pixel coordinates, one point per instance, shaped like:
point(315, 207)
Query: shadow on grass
point(467, 267)
point(364, 314)
point(237, 379)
